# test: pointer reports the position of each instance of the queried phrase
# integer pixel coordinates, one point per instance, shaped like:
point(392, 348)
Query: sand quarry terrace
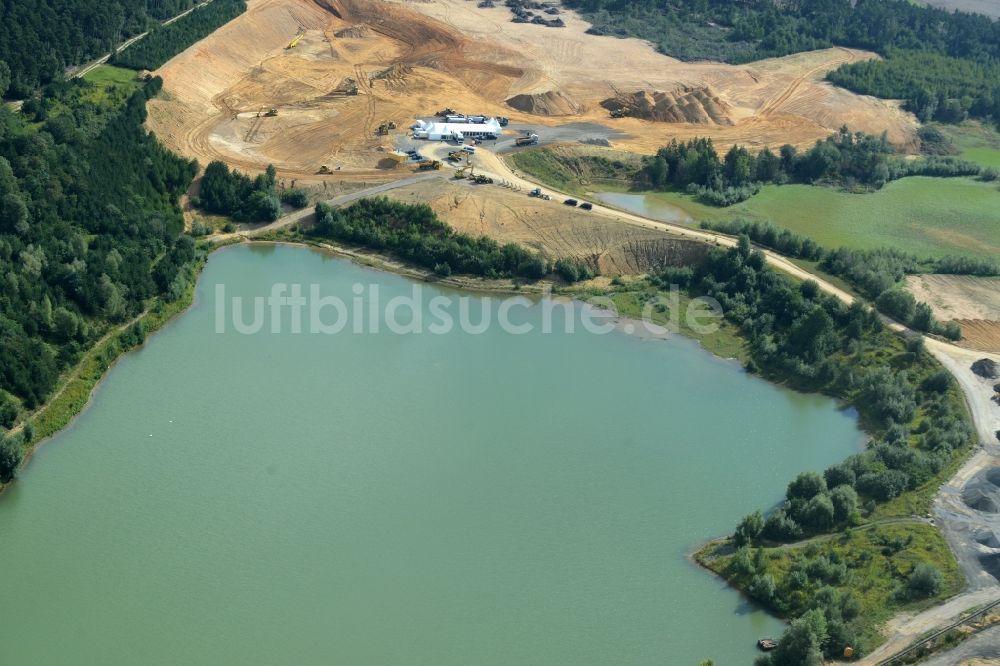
point(410, 59)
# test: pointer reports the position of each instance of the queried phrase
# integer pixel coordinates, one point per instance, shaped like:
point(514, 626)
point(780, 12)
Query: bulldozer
point(428, 165)
point(384, 128)
point(324, 169)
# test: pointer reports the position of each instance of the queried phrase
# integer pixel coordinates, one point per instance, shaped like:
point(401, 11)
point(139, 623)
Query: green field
point(976, 142)
point(112, 86)
point(108, 75)
point(925, 216)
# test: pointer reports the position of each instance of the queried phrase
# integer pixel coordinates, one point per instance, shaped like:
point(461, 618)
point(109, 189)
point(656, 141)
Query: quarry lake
point(647, 206)
point(398, 499)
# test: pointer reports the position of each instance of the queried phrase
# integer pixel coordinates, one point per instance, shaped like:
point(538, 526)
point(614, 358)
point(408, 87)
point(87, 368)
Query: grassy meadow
point(925, 216)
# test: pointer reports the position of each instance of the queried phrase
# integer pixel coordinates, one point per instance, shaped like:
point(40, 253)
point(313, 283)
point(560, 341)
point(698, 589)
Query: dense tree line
point(848, 159)
point(414, 233)
point(164, 41)
point(945, 64)
point(816, 341)
point(233, 193)
point(910, 405)
point(876, 274)
point(934, 86)
point(754, 29)
point(89, 229)
point(40, 38)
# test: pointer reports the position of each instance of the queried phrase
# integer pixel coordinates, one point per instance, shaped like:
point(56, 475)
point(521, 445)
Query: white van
point(469, 149)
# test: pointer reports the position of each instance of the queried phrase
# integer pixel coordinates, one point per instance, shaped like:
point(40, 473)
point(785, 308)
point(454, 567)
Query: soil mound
point(982, 499)
point(988, 539)
point(353, 32)
point(993, 476)
point(551, 103)
point(991, 563)
point(697, 105)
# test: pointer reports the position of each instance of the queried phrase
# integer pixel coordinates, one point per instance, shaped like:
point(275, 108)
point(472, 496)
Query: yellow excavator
point(468, 168)
point(295, 40)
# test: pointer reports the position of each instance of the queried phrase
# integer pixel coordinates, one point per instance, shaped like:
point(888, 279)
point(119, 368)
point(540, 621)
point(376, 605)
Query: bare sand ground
point(410, 59)
point(557, 230)
point(973, 302)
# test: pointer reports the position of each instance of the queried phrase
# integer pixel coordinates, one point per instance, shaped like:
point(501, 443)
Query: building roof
point(491, 126)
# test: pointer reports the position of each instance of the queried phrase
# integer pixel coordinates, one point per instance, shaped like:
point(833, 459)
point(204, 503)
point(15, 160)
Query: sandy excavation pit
point(409, 59)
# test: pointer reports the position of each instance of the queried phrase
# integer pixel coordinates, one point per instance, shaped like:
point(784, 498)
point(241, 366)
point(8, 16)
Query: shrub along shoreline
point(796, 335)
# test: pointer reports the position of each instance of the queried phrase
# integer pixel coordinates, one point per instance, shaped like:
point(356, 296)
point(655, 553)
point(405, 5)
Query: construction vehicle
point(429, 165)
point(481, 180)
point(323, 170)
point(457, 155)
point(384, 128)
point(619, 113)
point(469, 167)
point(295, 40)
point(446, 112)
point(271, 113)
point(529, 140)
point(537, 192)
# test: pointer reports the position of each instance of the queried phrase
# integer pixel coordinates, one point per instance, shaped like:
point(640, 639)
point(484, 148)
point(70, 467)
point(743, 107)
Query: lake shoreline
point(372, 260)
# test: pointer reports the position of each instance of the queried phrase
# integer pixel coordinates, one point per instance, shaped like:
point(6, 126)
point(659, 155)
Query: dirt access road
point(959, 522)
point(83, 70)
point(965, 526)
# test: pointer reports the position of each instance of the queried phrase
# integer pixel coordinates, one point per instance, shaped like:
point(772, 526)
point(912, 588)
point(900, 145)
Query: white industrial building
point(457, 131)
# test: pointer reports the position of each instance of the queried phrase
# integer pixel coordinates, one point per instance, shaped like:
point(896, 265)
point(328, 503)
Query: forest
point(39, 39)
point(756, 29)
point(945, 64)
point(415, 234)
point(235, 194)
point(934, 86)
point(876, 274)
point(910, 405)
point(850, 160)
point(90, 230)
point(163, 42)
